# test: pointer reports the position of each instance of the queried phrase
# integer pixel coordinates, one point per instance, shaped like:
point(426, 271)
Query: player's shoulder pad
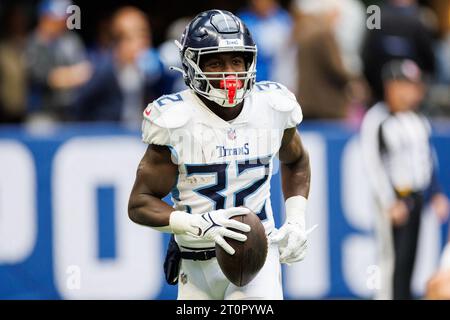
point(168, 111)
point(277, 95)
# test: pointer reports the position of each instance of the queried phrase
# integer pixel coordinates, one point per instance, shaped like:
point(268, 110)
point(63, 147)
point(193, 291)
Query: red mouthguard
point(231, 83)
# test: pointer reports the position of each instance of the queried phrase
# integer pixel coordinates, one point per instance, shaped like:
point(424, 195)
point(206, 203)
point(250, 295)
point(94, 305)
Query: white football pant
point(204, 280)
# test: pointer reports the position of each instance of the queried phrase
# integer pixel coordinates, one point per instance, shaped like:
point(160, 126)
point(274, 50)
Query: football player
point(212, 147)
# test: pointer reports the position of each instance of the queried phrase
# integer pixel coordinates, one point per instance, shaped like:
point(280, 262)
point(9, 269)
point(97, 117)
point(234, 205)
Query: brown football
point(250, 256)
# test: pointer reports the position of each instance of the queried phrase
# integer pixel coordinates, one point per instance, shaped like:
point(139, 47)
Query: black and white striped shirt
point(397, 152)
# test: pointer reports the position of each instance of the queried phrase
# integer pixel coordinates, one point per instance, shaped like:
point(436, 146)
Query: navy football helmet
point(217, 31)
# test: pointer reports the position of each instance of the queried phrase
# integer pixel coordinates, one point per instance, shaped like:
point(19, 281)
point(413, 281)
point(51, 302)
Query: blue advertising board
point(65, 232)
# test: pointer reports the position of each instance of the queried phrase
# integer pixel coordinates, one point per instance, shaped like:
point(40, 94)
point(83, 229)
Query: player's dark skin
point(157, 174)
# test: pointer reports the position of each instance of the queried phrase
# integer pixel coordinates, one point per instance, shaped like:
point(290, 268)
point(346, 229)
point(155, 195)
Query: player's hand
point(292, 237)
point(292, 240)
point(212, 225)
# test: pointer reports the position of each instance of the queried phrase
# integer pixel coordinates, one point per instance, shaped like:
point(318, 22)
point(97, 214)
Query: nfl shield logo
point(231, 134)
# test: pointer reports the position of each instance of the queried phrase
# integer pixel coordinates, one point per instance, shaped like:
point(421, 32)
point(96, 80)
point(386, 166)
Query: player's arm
point(156, 175)
point(296, 175)
point(294, 163)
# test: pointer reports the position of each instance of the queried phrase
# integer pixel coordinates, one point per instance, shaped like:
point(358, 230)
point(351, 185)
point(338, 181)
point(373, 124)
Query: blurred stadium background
point(70, 107)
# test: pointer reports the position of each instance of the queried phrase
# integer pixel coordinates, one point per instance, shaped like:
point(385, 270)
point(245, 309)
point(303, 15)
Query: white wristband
point(296, 210)
point(180, 222)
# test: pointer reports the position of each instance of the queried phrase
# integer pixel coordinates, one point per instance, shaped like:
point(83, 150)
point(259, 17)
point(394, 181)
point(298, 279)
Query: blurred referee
point(395, 140)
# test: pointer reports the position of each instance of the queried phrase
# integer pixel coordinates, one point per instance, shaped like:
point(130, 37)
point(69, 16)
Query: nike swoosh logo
point(147, 112)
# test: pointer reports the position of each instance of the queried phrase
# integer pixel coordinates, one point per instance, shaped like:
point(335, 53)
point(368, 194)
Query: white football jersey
point(222, 164)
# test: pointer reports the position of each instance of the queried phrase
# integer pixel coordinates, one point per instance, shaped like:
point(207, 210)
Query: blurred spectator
point(443, 55)
point(439, 98)
point(13, 84)
point(170, 54)
point(323, 79)
point(401, 171)
point(127, 79)
point(56, 61)
point(101, 47)
point(271, 28)
point(350, 30)
point(402, 36)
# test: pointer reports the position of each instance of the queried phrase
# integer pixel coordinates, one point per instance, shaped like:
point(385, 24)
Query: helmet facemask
point(234, 86)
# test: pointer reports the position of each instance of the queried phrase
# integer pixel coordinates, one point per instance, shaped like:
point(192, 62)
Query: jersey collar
point(210, 119)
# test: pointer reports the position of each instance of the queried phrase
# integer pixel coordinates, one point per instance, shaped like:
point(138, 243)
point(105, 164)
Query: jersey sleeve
point(162, 120)
point(153, 133)
point(295, 116)
point(286, 104)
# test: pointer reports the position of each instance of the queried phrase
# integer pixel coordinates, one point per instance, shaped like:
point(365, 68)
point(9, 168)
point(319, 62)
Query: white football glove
point(292, 236)
point(211, 225)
